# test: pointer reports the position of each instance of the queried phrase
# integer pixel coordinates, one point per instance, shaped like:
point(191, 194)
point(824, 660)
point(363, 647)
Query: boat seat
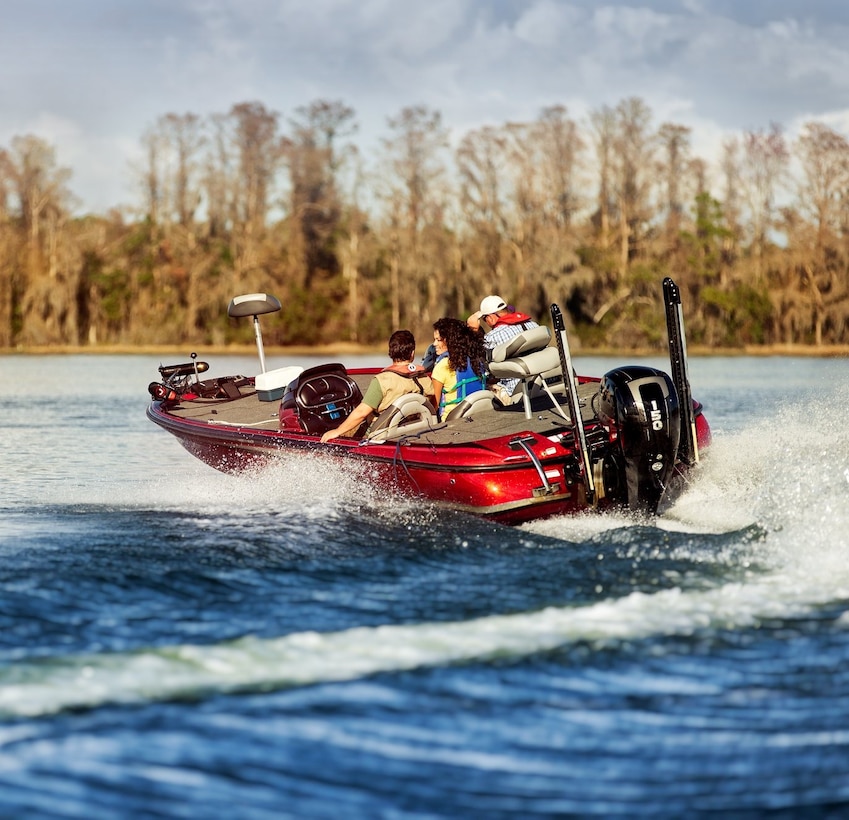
point(320, 398)
point(408, 414)
point(474, 404)
point(550, 382)
point(527, 357)
point(528, 341)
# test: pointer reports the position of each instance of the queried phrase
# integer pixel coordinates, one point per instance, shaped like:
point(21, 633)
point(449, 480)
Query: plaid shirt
point(500, 334)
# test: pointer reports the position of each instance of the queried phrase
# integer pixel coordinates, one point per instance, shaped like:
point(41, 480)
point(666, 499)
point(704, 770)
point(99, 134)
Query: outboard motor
point(640, 405)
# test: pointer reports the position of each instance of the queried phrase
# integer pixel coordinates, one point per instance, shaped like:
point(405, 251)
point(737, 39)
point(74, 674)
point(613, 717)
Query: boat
point(629, 439)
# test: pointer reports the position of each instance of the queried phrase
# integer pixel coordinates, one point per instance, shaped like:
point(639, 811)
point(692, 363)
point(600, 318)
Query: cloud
point(93, 75)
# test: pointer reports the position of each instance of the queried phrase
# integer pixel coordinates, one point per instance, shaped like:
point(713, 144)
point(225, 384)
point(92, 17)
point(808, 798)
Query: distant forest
point(592, 217)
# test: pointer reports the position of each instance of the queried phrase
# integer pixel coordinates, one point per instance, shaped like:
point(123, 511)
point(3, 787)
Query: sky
point(91, 76)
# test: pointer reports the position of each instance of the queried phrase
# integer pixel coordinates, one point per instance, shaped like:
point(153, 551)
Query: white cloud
point(548, 24)
point(92, 76)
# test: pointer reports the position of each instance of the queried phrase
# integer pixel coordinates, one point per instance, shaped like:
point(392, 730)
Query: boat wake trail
point(791, 471)
point(251, 664)
point(789, 480)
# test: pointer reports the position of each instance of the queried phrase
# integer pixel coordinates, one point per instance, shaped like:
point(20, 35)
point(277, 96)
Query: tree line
point(592, 216)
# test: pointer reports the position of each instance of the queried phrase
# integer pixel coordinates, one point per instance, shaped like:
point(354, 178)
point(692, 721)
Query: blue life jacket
point(468, 382)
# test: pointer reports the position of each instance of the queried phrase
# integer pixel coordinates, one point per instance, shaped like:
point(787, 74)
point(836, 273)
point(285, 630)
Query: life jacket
point(515, 318)
point(468, 382)
point(395, 382)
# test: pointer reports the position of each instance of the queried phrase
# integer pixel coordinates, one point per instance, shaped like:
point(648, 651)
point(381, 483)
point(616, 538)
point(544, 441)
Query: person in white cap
point(504, 322)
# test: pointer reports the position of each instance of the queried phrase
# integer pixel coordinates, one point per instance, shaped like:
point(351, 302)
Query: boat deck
point(492, 421)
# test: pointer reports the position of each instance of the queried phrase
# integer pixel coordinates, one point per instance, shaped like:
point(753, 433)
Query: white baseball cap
point(490, 304)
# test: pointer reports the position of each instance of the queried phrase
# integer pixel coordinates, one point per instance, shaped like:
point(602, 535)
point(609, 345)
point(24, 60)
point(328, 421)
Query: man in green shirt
point(400, 378)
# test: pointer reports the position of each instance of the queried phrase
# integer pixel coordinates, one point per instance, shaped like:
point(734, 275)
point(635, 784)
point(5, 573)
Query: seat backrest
point(528, 341)
point(410, 413)
point(475, 403)
point(545, 363)
point(322, 397)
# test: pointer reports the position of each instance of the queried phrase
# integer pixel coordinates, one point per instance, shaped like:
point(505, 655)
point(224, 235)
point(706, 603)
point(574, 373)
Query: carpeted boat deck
point(490, 421)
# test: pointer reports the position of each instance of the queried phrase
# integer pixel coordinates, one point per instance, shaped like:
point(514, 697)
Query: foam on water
point(299, 659)
point(791, 477)
point(788, 476)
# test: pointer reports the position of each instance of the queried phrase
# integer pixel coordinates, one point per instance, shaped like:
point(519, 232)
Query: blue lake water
point(179, 643)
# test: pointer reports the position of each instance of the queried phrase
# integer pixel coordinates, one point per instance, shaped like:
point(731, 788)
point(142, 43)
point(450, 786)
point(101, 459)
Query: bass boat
point(627, 439)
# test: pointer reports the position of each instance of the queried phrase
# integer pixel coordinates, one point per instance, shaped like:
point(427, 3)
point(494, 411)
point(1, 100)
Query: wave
point(779, 489)
point(251, 664)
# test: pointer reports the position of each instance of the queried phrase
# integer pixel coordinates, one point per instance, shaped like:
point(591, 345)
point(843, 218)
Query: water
point(179, 643)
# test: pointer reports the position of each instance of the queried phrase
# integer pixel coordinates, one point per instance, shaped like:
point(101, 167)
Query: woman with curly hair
point(463, 370)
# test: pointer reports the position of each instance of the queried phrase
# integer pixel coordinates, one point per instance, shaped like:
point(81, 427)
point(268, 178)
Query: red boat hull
point(493, 479)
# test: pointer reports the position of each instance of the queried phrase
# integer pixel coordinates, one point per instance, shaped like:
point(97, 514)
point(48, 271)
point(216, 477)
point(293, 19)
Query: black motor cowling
point(640, 404)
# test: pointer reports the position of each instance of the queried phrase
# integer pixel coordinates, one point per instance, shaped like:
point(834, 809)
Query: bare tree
point(8, 254)
point(259, 150)
point(764, 163)
point(185, 138)
point(675, 142)
point(220, 177)
point(415, 169)
point(560, 147)
point(5, 185)
point(482, 171)
point(355, 220)
point(820, 285)
point(824, 158)
point(732, 198)
point(314, 160)
point(39, 184)
point(48, 288)
point(152, 175)
point(634, 148)
point(170, 174)
point(603, 126)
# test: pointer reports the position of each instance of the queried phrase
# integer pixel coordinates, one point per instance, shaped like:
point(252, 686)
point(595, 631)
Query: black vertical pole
point(574, 403)
point(688, 448)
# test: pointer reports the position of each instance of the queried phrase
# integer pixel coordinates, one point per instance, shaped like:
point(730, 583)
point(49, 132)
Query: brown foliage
point(538, 212)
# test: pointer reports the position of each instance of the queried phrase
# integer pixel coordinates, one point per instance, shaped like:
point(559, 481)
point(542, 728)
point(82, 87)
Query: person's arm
point(437, 378)
point(358, 415)
point(437, 393)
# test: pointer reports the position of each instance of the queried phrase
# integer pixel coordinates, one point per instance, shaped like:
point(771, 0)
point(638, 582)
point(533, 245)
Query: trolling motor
point(178, 379)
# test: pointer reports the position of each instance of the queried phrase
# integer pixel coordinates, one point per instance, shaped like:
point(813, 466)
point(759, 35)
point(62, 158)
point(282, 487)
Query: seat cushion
point(532, 364)
point(528, 341)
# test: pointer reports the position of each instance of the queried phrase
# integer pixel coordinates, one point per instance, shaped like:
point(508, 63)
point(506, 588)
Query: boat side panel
point(495, 481)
